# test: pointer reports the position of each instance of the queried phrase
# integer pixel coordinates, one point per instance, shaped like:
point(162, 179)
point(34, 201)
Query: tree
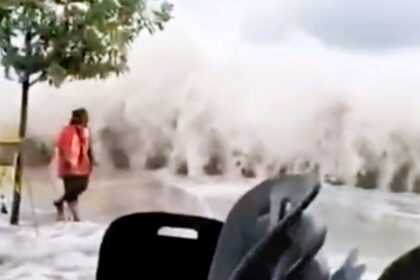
point(58, 40)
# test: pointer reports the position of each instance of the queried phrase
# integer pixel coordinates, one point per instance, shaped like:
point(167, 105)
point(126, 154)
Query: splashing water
point(203, 101)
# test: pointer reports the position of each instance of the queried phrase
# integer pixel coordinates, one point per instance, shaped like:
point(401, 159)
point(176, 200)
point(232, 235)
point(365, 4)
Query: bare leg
point(74, 211)
point(59, 205)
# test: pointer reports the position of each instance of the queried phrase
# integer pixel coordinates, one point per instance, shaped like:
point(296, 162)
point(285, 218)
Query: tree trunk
point(17, 180)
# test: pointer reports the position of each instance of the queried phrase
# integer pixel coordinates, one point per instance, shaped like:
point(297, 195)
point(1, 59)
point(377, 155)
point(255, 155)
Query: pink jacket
point(73, 146)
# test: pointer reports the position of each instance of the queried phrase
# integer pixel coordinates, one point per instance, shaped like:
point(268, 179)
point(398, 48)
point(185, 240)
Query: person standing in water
point(75, 162)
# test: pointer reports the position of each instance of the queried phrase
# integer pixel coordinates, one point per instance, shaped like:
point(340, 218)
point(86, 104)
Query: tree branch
point(37, 79)
point(19, 75)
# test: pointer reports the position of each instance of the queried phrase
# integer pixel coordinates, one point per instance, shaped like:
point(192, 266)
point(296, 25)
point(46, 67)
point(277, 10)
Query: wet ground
point(381, 225)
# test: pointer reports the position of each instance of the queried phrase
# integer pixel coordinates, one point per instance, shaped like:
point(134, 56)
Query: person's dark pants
point(74, 186)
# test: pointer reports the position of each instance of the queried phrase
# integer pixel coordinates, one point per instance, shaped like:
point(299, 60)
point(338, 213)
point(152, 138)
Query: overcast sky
point(360, 24)
point(350, 35)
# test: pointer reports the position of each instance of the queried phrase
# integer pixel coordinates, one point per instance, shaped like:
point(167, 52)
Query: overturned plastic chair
point(267, 236)
point(143, 246)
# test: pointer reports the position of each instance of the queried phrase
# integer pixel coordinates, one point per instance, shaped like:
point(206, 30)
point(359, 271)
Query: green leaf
point(57, 74)
point(88, 40)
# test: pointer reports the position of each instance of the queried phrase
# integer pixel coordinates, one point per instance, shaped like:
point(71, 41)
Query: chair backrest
point(134, 248)
point(405, 267)
point(256, 216)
